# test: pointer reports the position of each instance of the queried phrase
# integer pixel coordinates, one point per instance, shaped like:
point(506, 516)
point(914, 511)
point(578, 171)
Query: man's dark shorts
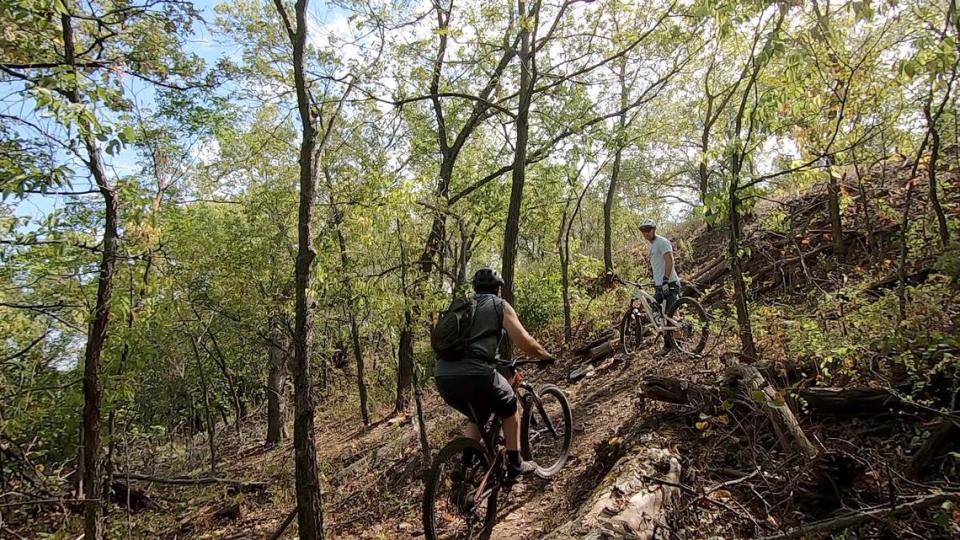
point(488, 394)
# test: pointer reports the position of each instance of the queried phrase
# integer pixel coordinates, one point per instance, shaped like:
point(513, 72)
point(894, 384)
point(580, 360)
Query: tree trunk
point(703, 172)
point(421, 421)
point(97, 333)
point(221, 362)
point(358, 354)
point(206, 406)
point(744, 327)
point(932, 178)
point(745, 330)
point(349, 305)
point(565, 286)
point(512, 229)
point(905, 230)
point(833, 205)
point(276, 380)
point(408, 344)
point(946, 434)
point(405, 363)
point(309, 498)
point(614, 173)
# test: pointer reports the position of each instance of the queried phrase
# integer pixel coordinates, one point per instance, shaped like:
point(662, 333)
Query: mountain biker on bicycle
point(664, 276)
point(473, 381)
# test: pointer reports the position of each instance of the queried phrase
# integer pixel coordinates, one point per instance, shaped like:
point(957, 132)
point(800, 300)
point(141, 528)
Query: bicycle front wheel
point(694, 329)
point(546, 430)
point(451, 505)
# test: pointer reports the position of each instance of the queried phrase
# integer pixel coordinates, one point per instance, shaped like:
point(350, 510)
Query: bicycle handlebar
point(628, 282)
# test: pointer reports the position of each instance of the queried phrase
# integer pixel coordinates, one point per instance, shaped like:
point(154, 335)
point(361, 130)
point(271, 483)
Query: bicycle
point(460, 497)
point(686, 319)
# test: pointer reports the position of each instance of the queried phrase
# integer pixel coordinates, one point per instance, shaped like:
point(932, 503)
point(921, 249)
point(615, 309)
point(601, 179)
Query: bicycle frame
point(646, 301)
point(525, 396)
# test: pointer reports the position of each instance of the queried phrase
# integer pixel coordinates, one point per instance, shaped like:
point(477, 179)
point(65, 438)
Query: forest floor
point(373, 488)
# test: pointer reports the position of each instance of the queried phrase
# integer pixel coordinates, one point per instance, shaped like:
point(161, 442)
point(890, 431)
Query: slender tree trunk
point(206, 405)
point(421, 421)
point(309, 498)
point(405, 362)
point(276, 380)
point(932, 178)
point(565, 288)
point(220, 360)
point(833, 205)
point(358, 354)
point(512, 230)
point(703, 171)
point(349, 306)
point(866, 216)
point(406, 350)
point(615, 173)
point(97, 334)
point(608, 211)
point(745, 329)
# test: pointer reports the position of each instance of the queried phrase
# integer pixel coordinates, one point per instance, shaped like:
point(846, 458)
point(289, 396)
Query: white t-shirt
point(658, 248)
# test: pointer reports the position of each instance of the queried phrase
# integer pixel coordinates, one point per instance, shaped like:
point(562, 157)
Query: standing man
point(664, 275)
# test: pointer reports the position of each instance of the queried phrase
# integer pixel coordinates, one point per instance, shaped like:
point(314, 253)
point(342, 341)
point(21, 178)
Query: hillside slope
point(818, 315)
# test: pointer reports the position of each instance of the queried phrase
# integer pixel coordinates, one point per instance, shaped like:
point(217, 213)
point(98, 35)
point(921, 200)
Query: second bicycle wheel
point(694, 325)
point(451, 505)
point(631, 331)
point(546, 431)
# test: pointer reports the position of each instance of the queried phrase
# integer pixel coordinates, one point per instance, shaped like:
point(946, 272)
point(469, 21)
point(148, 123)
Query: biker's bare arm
point(667, 266)
point(519, 335)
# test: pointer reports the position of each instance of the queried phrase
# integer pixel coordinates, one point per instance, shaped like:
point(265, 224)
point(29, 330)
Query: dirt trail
point(607, 416)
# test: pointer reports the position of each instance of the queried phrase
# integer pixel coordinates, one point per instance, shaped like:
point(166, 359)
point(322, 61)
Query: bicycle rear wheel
point(631, 331)
point(546, 431)
point(694, 325)
point(450, 506)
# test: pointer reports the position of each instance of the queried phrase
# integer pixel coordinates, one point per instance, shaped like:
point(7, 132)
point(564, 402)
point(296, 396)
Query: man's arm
point(518, 334)
point(667, 266)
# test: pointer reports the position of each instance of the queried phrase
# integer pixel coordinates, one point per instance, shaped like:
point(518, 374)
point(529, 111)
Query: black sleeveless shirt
point(483, 352)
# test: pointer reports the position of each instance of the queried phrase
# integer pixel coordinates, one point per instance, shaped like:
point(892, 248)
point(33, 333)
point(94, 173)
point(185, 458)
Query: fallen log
point(195, 481)
point(846, 402)
point(132, 498)
point(706, 268)
point(843, 402)
point(750, 384)
point(706, 399)
point(601, 351)
point(936, 446)
point(284, 524)
point(633, 504)
point(890, 282)
point(863, 516)
point(602, 338)
point(712, 275)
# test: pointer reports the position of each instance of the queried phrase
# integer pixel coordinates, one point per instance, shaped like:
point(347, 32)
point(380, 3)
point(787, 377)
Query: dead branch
point(202, 481)
point(864, 516)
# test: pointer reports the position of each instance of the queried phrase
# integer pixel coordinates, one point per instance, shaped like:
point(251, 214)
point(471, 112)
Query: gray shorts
point(485, 394)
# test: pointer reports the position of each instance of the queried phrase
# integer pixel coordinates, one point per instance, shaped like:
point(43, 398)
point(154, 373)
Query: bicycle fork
point(543, 413)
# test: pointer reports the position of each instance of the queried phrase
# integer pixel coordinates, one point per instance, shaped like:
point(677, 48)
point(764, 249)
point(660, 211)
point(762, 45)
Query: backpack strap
point(499, 328)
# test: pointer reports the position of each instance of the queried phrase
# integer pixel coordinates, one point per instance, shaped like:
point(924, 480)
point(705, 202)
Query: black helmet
point(487, 279)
